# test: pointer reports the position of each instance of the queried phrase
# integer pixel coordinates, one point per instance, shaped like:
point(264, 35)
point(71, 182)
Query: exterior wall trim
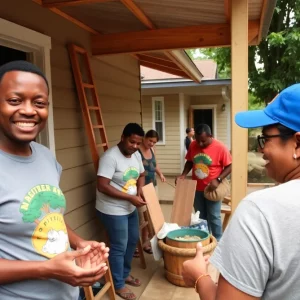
point(182, 130)
point(21, 38)
point(162, 99)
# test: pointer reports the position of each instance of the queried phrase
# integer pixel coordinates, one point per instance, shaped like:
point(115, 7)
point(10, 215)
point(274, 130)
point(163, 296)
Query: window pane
point(159, 129)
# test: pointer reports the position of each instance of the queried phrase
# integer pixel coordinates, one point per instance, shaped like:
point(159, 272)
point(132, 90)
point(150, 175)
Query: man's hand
point(193, 268)
point(179, 177)
point(63, 268)
point(97, 255)
point(213, 184)
point(137, 201)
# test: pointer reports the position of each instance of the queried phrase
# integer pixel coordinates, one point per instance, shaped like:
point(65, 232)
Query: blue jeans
point(210, 211)
point(123, 234)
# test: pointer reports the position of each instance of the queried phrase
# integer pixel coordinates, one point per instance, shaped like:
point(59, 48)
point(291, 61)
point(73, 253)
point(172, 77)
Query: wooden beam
point(168, 64)
point(70, 19)
point(239, 99)
point(138, 13)
point(182, 66)
point(163, 69)
point(227, 10)
point(208, 35)
point(262, 17)
point(71, 3)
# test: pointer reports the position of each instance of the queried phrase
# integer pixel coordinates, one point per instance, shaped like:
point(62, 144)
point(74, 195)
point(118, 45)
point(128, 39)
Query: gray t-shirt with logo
point(32, 226)
point(259, 252)
point(124, 173)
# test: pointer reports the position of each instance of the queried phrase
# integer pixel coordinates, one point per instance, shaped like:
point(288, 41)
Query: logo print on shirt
point(201, 165)
point(44, 205)
point(130, 176)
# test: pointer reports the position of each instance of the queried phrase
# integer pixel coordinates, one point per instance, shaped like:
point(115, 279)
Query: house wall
point(118, 84)
point(222, 116)
point(168, 155)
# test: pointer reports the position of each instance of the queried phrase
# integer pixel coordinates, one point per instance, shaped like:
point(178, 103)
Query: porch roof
point(157, 32)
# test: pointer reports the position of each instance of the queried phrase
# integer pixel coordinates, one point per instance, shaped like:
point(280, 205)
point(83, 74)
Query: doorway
point(10, 54)
point(203, 114)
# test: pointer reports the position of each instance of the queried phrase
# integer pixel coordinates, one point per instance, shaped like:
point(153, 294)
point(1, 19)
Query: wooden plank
point(183, 202)
point(239, 99)
point(72, 3)
point(154, 208)
point(208, 35)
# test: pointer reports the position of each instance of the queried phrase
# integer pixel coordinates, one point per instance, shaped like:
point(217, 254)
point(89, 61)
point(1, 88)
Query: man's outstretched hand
point(82, 267)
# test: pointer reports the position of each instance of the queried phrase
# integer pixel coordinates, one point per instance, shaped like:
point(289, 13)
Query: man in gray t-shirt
point(36, 261)
point(120, 179)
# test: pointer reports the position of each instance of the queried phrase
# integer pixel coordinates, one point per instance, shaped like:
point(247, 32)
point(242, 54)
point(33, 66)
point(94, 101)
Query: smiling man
point(121, 176)
point(36, 261)
point(211, 163)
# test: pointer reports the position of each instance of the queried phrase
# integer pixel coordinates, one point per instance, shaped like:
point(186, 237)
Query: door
point(10, 54)
point(201, 116)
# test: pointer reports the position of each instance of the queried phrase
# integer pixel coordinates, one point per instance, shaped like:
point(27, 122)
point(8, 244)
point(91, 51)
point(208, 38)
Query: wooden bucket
point(177, 252)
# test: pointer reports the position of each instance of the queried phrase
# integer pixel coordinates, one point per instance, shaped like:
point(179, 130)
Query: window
point(158, 115)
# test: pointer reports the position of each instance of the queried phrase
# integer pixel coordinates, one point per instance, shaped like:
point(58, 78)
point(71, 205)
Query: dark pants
point(123, 234)
point(210, 211)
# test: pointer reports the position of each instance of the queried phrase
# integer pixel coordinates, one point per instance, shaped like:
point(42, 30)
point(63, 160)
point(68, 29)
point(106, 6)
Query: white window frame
point(38, 46)
point(213, 107)
point(162, 100)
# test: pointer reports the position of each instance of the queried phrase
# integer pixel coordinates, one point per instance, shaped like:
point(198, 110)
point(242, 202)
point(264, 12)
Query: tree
point(275, 63)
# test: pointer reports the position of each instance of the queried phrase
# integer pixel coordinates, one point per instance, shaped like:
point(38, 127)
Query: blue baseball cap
point(283, 109)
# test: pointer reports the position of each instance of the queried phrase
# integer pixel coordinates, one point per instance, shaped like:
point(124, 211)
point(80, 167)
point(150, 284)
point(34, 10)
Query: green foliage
point(275, 63)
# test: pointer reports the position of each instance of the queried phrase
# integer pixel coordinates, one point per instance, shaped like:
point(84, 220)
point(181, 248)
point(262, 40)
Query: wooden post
point(239, 98)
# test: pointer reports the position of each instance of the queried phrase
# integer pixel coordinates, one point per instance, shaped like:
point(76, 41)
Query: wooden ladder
point(95, 130)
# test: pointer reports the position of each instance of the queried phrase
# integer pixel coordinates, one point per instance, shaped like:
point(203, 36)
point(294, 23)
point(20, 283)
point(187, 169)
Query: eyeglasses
point(261, 139)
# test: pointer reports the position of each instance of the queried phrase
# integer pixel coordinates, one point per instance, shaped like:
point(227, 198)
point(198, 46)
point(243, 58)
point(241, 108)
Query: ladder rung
point(100, 294)
point(88, 85)
point(101, 145)
point(97, 126)
point(93, 107)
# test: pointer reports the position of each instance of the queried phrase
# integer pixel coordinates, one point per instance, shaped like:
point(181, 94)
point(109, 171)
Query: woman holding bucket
point(258, 254)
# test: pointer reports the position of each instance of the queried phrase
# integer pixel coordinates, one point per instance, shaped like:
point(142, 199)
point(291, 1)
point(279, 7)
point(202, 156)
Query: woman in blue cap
point(258, 255)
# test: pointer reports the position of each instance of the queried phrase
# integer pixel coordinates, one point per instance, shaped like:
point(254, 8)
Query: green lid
point(172, 235)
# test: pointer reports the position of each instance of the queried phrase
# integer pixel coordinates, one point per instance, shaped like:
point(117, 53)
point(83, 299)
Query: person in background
point(190, 132)
point(211, 163)
point(36, 261)
point(121, 176)
point(259, 252)
point(151, 166)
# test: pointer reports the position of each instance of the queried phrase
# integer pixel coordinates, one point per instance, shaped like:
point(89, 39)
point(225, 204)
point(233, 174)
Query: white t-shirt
point(259, 252)
point(124, 173)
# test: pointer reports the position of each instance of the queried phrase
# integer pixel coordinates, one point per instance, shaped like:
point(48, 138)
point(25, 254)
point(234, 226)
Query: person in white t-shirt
point(121, 176)
point(259, 253)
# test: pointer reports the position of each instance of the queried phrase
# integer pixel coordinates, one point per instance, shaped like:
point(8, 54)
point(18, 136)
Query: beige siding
point(118, 86)
point(222, 116)
point(168, 155)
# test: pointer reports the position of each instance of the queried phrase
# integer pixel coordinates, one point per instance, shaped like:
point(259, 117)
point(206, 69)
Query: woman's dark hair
point(152, 134)
point(133, 128)
point(188, 130)
point(203, 128)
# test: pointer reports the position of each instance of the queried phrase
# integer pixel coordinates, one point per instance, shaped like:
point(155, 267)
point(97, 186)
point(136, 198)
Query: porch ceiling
point(152, 29)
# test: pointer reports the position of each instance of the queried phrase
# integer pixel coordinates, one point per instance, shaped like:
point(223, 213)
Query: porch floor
point(154, 282)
